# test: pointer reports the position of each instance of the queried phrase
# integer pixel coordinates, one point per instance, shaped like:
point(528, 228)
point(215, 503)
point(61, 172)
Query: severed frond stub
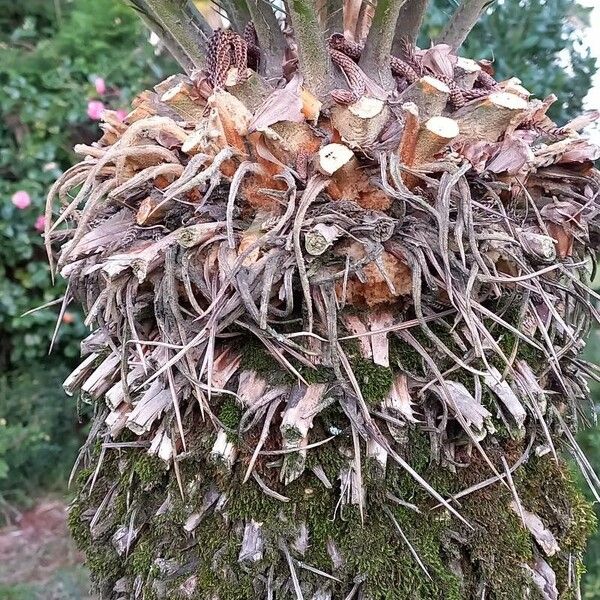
point(323, 311)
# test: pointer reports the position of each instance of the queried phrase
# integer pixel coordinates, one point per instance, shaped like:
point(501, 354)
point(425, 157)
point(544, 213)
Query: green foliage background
point(50, 53)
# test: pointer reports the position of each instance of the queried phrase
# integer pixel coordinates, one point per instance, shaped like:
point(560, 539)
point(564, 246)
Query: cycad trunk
point(337, 326)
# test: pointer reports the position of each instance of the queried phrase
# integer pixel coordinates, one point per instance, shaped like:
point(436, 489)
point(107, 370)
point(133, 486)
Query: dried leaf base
point(336, 347)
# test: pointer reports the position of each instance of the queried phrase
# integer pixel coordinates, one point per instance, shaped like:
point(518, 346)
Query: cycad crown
point(338, 291)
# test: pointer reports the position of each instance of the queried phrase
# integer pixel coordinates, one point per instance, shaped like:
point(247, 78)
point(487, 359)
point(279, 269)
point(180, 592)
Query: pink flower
point(40, 223)
point(100, 85)
point(68, 318)
point(95, 108)
point(21, 199)
point(121, 114)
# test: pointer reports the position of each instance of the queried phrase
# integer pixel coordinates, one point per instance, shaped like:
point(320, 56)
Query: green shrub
point(49, 61)
point(45, 87)
point(39, 432)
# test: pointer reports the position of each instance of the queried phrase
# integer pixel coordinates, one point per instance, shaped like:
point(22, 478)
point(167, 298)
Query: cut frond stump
point(333, 157)
point(433, 136)
point(429, 94)
point(360, 124)
point(489, 119)
point(466, 72)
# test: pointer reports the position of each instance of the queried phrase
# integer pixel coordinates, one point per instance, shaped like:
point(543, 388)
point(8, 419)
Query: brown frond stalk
point(270, 36)
point(237, 13)
point(359, 20)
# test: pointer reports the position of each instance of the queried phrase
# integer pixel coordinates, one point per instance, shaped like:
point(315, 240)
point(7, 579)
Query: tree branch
point(410, 20)
point(179, 24)
point(313, 56)
point(463, 20)
point(270, 37)
point(375, 59)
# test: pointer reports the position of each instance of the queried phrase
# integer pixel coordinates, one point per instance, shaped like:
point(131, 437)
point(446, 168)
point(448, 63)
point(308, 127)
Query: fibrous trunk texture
point(335, 339)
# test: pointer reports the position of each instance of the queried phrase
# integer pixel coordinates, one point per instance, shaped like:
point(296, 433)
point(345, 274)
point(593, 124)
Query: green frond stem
point(171, 44)
point(270, 36)
point(195, 18)
point(237, 13)
point(375, 59)
point(334, 17)
point(463, 20)
point(313, 57)
point(181, 25)
point(409, 25)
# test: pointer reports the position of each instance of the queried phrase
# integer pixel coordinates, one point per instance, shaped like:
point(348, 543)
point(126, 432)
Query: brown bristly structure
point(337, 317)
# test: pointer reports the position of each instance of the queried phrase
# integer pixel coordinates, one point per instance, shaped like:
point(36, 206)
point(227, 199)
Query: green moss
point(375, 381)
point(218, 550)
point(318, 375)
point(141, 559)
point(120, 506)
point(77, 527)
point(417, 454)
point(404, 357)
point(167, 526)
point(103, 562)
point(249, 502)
point(549, 490)
point(149, 469)
point(329, 459)
point(292, 434)
point(330, 420)
point(230, 414)
point(507, 341)
point(390, 571)
point(499, 545)
point(82, 476)
point(256, 358)
point(418, 450)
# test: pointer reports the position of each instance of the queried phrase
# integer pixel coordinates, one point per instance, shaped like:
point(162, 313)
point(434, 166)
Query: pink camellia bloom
point(68, 318)
point(21, 199)
point(95, 108)
point(100, 85)
point(40, 223)
point(121, 114)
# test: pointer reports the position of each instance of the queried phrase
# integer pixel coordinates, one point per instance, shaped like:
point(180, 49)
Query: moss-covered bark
point(322, 532)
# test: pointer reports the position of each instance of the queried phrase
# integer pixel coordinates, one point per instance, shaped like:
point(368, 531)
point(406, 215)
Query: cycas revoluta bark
point(337, 318)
